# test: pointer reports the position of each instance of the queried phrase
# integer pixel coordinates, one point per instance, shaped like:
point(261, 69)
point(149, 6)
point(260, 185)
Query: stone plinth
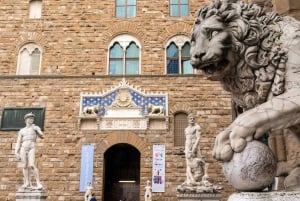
point(266, 196)
point(31, 195)
point(198, 196)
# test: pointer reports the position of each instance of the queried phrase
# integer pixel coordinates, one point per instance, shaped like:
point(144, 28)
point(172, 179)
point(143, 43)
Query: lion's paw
point(223, 153)
point(238, 145)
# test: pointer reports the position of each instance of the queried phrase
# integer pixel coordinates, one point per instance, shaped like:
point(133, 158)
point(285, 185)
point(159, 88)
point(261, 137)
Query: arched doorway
point(121, 173)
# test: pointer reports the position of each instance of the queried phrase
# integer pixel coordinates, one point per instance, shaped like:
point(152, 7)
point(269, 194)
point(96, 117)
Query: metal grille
point(180, 123)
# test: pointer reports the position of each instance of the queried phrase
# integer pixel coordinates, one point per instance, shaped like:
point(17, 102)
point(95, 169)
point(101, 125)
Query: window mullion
point(124, 61)
point(179, 60)
point(125, 9)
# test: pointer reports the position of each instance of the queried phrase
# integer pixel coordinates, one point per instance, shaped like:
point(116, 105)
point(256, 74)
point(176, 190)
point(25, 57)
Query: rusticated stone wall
point(58, 154)
point(75, 35)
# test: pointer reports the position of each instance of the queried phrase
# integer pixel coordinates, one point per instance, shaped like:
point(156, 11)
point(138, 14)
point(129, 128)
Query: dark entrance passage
point(122, 173)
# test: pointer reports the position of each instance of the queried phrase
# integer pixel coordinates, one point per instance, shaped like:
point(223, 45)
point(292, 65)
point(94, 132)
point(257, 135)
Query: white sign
point(158, 168)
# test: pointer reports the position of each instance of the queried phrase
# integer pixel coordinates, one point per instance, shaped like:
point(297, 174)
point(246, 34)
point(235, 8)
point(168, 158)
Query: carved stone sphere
point(253, 169)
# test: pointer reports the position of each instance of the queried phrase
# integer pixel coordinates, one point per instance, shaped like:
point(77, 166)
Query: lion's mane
point(255, 37)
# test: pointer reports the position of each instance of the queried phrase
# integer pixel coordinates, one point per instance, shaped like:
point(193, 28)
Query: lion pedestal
point(266, 196)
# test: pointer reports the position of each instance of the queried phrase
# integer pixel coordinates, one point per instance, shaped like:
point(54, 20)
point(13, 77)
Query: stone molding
point(266, 196)
point(124, 28)
point(27, 37)
point(128, 138)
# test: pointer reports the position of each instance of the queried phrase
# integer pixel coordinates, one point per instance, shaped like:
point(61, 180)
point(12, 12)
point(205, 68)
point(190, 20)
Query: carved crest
point(123, 99)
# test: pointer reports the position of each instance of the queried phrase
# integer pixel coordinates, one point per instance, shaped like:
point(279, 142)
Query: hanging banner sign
point(158, 168)
point(87, 164)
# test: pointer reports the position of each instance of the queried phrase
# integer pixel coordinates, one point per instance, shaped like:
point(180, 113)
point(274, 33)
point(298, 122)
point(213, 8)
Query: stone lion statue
point(90, 110)
point(256, 56)
point(155, 109)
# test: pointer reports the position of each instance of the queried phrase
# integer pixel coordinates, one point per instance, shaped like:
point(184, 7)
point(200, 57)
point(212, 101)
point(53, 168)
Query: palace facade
point(111, 86)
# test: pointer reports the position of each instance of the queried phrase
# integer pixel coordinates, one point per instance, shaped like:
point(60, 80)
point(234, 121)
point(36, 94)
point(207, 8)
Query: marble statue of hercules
point(25, 150)
point(194, 162)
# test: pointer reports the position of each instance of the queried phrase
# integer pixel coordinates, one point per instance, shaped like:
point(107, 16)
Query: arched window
point(185, 59)
point(132, 59)
point(180, 123)
point(172, 59)
point(124, 56)
point(178, 56)
point(35, 9)
point(116, 59)
point(29, 61)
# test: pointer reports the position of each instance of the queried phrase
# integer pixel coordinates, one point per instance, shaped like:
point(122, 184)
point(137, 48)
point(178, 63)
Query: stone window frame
point(35, 9)
point(180, 123)
point(179, 41)
point(124, 41)
point(26, 62)
point(29, 69)
point(179, 4)
point(127, 5)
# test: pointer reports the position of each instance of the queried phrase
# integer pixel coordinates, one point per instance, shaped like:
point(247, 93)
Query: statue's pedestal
point(31, 195)
point(266, 196)
point(198, 196)
point(202, 191)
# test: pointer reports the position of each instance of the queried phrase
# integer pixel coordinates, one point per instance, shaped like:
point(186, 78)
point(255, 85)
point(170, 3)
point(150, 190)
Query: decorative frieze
point(123, 108)
point(123, 123)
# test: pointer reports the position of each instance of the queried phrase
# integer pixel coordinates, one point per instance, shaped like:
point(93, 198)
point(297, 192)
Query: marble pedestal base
point(266, 196)
point(198, 196)
point(31, 195)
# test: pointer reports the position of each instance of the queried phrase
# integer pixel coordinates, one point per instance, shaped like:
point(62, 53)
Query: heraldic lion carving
point(256, 56)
